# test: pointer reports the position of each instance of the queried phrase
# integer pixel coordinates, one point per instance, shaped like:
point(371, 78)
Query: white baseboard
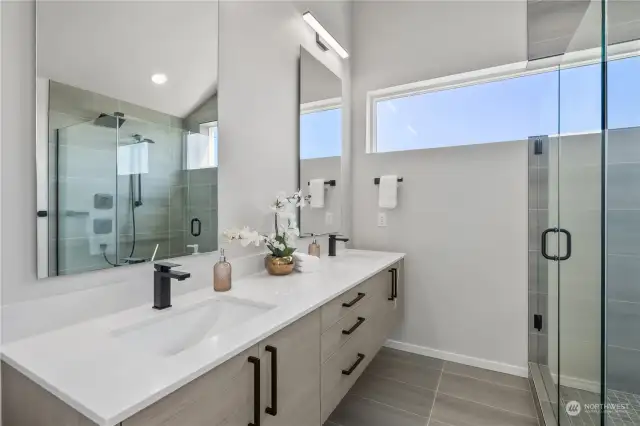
point(462, 359)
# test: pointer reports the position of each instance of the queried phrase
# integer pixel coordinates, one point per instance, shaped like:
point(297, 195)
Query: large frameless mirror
point(127, 119)
point(320, 140)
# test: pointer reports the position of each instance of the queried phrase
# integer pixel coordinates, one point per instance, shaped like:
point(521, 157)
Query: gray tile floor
point(403, 389)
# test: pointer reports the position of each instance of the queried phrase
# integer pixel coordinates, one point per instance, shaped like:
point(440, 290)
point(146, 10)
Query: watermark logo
point(573, 408)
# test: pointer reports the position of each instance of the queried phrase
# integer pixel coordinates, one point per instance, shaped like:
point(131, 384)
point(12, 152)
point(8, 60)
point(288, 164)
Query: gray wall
point(457, 206)
point(204, 113)
point(556, 27)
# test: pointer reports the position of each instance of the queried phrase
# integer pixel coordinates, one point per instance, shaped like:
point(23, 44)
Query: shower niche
point(126, 137)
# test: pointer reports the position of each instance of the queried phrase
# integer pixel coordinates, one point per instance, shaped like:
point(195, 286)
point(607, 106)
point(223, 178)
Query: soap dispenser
point(314, 247)
point(222, 274)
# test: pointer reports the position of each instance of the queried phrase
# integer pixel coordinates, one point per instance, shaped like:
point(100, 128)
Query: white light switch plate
point(382, 219)
point(328, 218)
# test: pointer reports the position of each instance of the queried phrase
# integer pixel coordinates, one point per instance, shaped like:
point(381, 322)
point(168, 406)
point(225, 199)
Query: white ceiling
point(113, 48)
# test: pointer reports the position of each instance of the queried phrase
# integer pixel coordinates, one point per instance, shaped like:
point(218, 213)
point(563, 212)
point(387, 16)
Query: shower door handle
point(568, 253)
point(543, 243)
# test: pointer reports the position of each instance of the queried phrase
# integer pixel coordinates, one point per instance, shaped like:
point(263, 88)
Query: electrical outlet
point(382, 219)
point(328, 218)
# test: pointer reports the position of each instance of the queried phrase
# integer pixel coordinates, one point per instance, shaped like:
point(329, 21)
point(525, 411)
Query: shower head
point(114, 121)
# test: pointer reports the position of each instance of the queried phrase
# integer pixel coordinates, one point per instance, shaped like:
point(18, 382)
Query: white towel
point(316, 189)
point(305, 259)
point(133, 159)
point(388, 192)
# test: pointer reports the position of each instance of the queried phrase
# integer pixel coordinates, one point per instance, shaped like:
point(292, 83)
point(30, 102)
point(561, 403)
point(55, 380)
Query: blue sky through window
point(321, 134)
point(566, 101)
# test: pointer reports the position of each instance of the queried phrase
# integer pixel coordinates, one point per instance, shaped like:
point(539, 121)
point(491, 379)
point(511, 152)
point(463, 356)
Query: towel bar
point(331, 182)
point(376, 181)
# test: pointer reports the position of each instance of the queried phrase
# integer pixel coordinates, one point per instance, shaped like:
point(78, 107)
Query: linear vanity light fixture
point(321, 32)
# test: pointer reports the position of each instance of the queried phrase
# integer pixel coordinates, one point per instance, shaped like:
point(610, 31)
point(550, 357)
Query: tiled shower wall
point(623, 276)
point(538, 267)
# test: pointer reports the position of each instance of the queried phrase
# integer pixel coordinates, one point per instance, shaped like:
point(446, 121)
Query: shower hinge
point(538, 143)
point(537, 147)
point(537, 322)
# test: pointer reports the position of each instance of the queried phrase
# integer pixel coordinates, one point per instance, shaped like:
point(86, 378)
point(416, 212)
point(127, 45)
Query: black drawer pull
point(393, 285)
point(273, 410)
point(395, 282)
point(355, 326)
point(354, 301)
point(354, 366)
point(256, 390)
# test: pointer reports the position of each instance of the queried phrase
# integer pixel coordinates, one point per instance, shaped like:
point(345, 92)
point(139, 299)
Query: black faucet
point(162, 283)
point(332, 243)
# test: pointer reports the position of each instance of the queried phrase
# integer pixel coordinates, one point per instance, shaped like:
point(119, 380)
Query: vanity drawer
point(335, 310)
point(353, 323)
point(335, 384)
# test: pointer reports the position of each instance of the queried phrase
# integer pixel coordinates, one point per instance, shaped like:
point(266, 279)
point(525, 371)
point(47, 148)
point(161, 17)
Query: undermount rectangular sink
point(178, 329)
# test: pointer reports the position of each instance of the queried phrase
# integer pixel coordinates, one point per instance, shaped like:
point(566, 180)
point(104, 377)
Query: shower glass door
point(573, 243)
point(82, 222)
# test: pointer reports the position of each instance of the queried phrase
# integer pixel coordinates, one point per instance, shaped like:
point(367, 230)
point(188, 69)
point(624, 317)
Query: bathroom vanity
point(273, 351)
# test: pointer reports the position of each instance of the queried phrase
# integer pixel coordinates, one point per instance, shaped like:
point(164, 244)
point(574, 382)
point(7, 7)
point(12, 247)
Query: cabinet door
point(391, 283)
point(291, 374)
point(224, 396)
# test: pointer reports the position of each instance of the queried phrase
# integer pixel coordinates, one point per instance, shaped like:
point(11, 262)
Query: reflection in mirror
point(320, 145)
point(127, 132)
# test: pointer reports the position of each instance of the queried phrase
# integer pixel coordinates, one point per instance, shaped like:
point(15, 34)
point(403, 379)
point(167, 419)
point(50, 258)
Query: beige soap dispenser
point(222, 274)
point(314, 247)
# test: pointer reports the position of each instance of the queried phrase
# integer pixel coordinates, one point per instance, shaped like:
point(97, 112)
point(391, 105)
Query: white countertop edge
point(115, 419)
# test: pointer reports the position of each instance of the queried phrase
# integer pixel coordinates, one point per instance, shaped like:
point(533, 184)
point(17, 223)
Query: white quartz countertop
point(108, 380)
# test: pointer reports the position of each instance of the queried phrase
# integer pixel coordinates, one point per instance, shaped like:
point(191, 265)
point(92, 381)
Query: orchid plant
point(281, 243)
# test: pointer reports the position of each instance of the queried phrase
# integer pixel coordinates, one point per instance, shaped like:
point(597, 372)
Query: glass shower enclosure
point(584, 247)
point(126, 191)
point(566, 194)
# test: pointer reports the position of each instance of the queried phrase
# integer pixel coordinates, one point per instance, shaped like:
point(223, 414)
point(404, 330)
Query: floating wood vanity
point(295, 376)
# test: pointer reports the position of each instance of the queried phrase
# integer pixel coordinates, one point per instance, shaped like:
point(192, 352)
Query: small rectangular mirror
point(127, 122)
point(320, 144)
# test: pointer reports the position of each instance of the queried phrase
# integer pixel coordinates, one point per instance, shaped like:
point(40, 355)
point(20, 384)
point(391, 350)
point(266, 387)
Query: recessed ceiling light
point(320, 30)
point(159, 78)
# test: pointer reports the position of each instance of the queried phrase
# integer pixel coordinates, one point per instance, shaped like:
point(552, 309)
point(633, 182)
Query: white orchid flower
point(231, 234)
point(287, 215)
